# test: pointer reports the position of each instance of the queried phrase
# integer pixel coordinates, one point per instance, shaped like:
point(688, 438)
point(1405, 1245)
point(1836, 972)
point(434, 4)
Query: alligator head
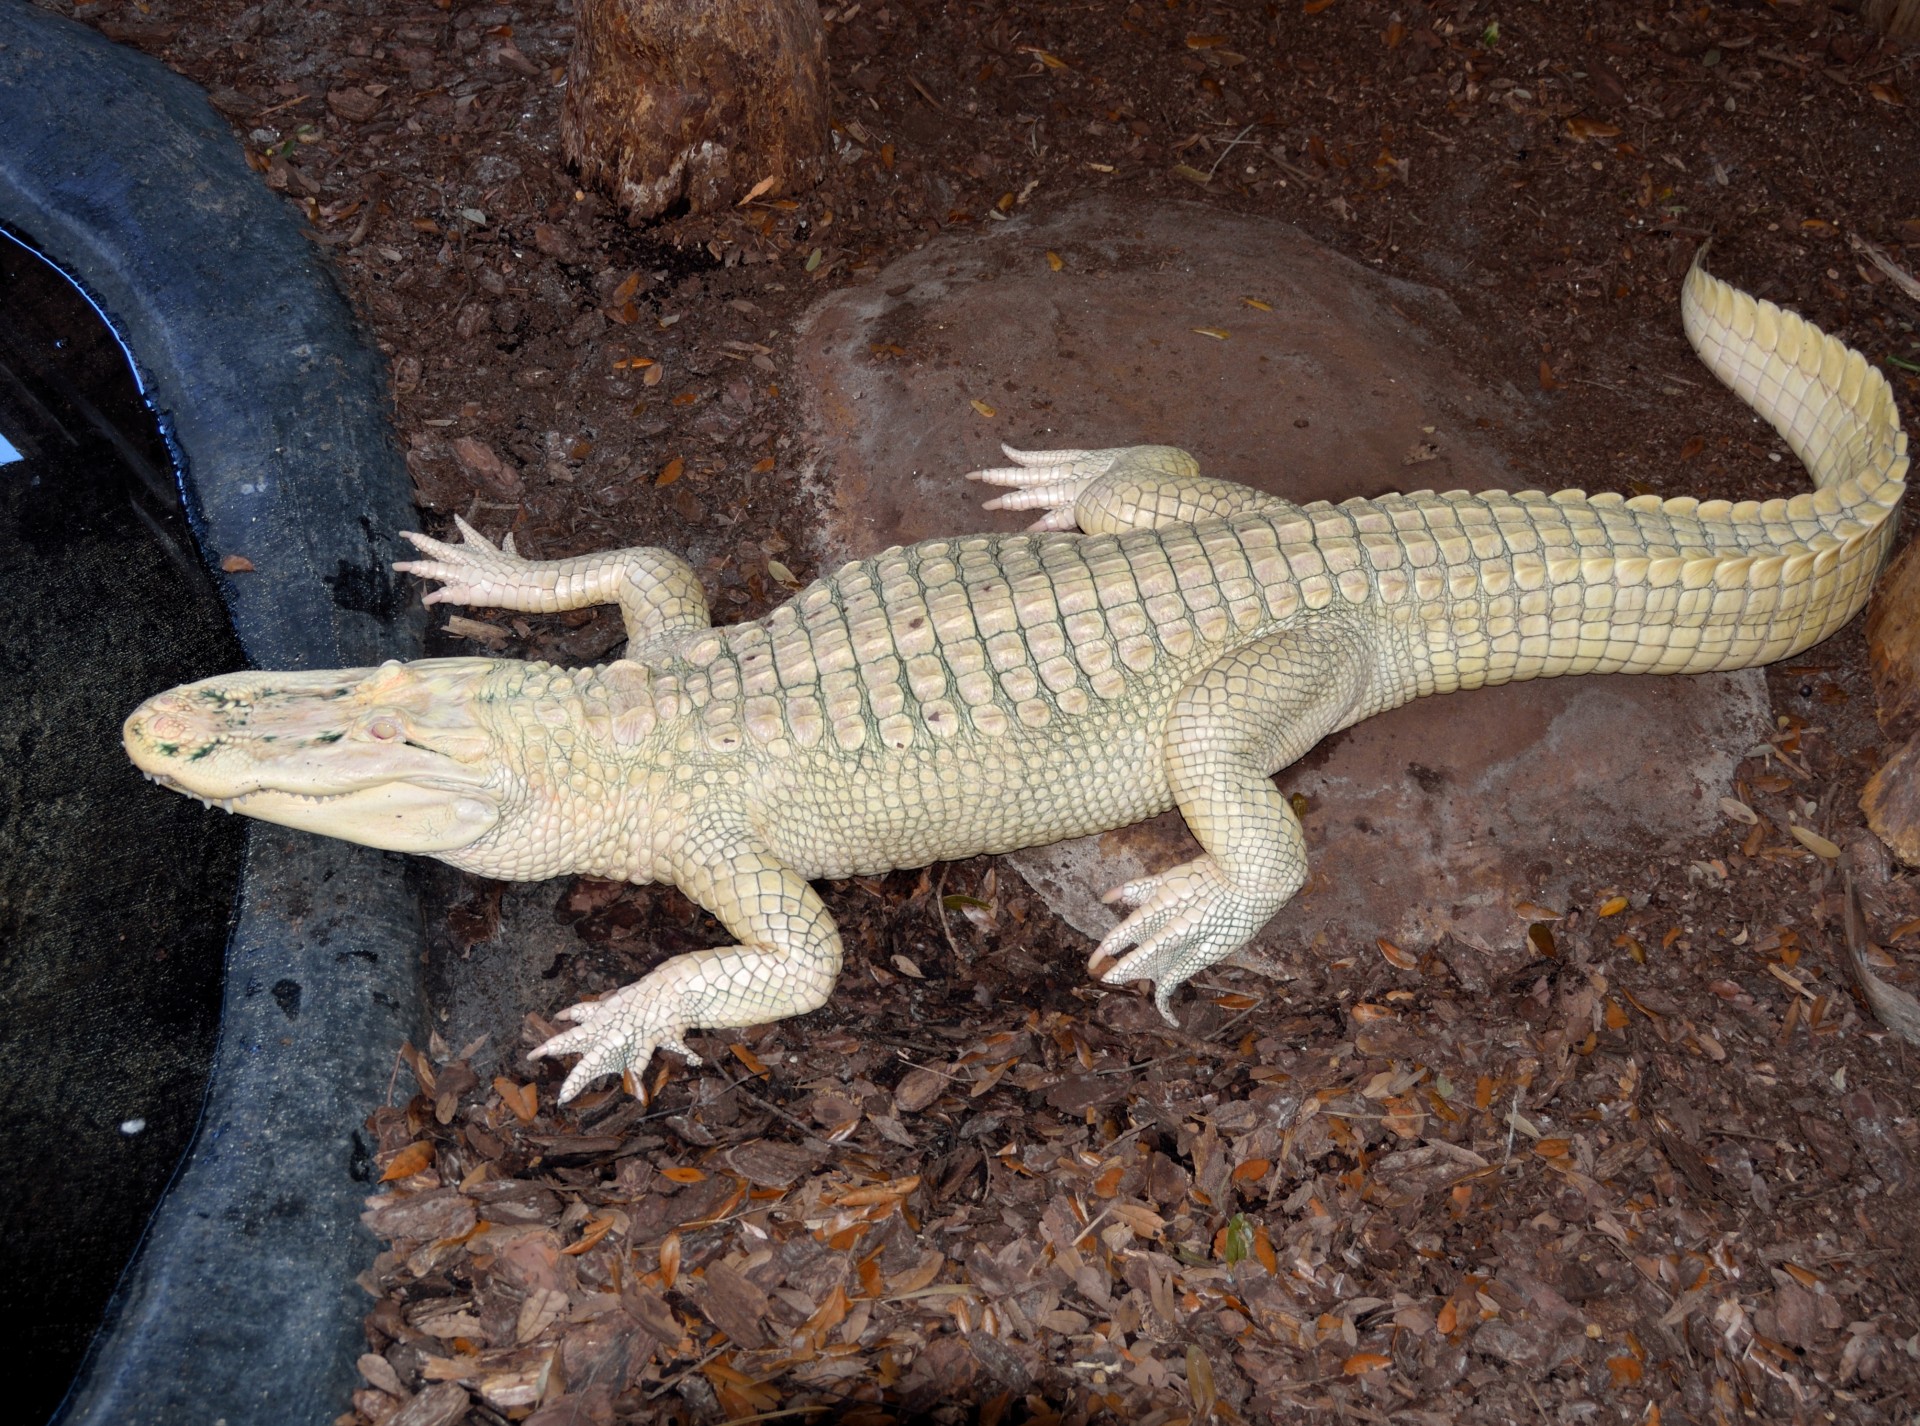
point(395, 756)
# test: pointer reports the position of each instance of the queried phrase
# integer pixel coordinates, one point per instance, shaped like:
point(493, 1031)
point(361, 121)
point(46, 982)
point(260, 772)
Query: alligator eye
point(385, 729)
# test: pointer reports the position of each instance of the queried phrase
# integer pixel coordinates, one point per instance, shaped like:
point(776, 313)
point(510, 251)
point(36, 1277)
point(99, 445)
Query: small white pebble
point(130, 1127)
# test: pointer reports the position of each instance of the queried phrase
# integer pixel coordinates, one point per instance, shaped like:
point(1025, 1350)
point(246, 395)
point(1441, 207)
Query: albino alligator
point(975, 695)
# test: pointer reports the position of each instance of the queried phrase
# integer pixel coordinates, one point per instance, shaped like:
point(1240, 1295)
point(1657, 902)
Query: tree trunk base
point(696, 102)
point(1899, 18)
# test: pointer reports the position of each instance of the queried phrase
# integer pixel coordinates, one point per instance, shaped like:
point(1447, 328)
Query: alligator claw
point(1046, 480)
point(475, 572)
point(619, 1033)
point(1183, 921)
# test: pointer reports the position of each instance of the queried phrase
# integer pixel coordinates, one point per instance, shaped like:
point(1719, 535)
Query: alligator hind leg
point(1122, 488)
point(1250, 714)
point(658, 592)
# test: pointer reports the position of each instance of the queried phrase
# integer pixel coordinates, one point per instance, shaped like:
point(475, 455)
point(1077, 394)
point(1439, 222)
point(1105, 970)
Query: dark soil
point(1661, 1167)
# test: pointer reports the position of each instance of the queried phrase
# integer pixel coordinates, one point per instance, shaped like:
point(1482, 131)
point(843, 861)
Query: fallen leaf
point(1257, 304)
point(522, 1099)
point(1887, 94)
point(237, 564)
point(761, 187)
point(1613, 906)
point(479, 630)
point(670, 472)
point(683, 1173)
point(1360, 1363)
point(1205, 42)
point(1200, 1389)
point(1739, 811)
point(1314, 7)
point(1051, 61)
point(413, 1159)
point(1583, 129)
point(879, 1192)
point(1625, 1370)
point(781, 575)
point(755, 1065)
point(1547, 381)
point(1219, 334)
point(982, 408)
point(1814, 842)
point(1053, 261)
point(1693, 446)
point(597, 1229)
point(1397, 957)
point(1191, 174)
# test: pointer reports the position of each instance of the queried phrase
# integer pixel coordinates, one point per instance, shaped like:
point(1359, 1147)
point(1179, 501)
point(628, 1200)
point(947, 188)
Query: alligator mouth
point(396, 815)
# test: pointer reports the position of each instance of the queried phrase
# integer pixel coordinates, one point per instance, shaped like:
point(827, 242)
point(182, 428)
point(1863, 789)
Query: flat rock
point(1431, 820)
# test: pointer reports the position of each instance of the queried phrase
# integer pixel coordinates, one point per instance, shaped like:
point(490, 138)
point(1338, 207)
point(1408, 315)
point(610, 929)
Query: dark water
point(114, 894)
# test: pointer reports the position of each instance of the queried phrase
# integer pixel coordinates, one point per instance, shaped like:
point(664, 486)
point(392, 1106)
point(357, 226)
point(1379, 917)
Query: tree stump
point(1899, 18)
point(1892, 797)
point(696, 102)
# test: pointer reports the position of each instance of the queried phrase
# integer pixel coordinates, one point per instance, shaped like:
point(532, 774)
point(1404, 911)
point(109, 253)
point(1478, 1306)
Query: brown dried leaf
point(413, 1159)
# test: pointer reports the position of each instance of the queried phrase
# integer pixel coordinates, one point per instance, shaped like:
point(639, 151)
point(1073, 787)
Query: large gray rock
point(1431, 820)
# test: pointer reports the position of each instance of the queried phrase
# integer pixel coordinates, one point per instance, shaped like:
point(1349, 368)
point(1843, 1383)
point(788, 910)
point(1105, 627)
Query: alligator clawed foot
point(1183, 921)
point(475, 572)
point(1046, 480)
point(619, 1033)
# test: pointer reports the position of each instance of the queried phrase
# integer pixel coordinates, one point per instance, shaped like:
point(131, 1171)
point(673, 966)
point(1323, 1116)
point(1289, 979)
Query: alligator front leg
point(1250, 714)
point(786, 962)
point(1121, 488)
point(658, 592)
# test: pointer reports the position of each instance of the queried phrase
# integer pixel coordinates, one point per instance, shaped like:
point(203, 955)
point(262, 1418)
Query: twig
point(921, 89)
point(799, 1124)
point(671, 1382)
point(1877, 255)
point(940, 909)
point(1237, 138)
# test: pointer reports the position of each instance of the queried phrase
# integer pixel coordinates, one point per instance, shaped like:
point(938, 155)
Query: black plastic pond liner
point(240, 1304)
point(116, 896)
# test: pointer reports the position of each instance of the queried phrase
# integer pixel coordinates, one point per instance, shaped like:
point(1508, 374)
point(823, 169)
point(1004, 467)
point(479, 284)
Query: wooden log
point(696, 102)
point(1892, 802)
point(1893, 646)
point(1899, 18)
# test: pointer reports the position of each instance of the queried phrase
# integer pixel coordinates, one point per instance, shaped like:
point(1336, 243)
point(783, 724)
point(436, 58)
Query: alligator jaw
point(388, 757)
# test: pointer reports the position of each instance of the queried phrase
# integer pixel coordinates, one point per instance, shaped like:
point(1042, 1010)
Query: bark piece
point(731, 1303)
point(696, 100)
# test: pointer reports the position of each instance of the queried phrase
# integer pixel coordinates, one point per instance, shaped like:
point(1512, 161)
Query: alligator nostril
point(166, 726)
